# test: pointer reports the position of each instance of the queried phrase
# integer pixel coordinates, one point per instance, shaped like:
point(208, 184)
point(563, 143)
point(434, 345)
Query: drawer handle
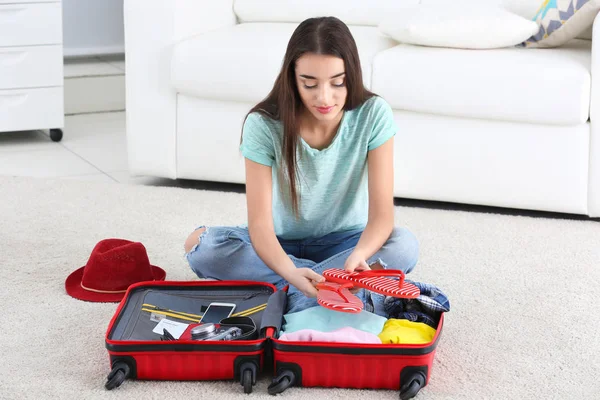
point(12, 100)
point(12, 57)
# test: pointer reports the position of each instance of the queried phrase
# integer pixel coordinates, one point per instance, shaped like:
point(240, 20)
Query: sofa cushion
point(524, 8)
point(549, 86)
point(472, 27)
point(352, 12)
point(562, 20)
point(241, 63)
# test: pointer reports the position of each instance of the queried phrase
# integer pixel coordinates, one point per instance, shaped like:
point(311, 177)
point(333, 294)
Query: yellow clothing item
point(403, 331)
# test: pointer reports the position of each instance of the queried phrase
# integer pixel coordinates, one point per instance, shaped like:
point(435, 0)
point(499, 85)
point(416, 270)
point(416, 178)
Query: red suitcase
point(138, 353)
point(361, 366)
point(309, 364)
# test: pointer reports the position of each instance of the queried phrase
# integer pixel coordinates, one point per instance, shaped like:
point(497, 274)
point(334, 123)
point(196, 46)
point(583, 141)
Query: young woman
point(319, 177)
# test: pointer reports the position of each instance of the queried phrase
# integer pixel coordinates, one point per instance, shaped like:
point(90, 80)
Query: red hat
point(113, 265)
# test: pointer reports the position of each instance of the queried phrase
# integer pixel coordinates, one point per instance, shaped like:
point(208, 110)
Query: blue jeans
point(226, 253)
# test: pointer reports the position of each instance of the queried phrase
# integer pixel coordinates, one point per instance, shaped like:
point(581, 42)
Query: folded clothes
point(402, 331)
point(426, 308)
point(325, 320)
point(342, 335)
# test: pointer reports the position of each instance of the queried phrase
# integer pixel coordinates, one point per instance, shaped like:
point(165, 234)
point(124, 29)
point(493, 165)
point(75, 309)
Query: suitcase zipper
point(220, 296)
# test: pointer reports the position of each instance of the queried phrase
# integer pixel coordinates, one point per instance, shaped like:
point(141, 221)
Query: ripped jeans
point(226, 253)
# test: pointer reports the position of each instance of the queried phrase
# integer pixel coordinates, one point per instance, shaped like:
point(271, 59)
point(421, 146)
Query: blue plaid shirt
point(426, 308)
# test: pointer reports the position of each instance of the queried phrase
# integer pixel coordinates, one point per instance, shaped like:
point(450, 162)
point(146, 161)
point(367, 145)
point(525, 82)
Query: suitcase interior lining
point(135, 324)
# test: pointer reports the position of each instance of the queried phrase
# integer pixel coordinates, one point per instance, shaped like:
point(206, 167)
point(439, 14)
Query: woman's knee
point(193, 239)
point(405, 246)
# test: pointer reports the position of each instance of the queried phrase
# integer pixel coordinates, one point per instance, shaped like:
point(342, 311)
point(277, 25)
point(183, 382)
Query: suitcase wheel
point(117, 375)
point(414, 383)
point(284, 380)
point(248, 376)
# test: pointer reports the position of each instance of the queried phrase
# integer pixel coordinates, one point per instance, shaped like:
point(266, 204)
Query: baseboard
point(88, 94)
point(93, 51)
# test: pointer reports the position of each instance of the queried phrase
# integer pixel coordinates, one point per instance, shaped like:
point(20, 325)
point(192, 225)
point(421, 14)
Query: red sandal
point(375, 281)
point(337, 297)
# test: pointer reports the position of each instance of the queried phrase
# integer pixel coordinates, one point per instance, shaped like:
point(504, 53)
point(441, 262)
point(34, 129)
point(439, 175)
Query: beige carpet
point(524, 292)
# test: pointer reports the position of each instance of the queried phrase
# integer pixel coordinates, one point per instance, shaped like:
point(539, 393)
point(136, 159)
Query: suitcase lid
point(145, 303)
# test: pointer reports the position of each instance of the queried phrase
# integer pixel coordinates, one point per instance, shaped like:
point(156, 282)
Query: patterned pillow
point(561, 21)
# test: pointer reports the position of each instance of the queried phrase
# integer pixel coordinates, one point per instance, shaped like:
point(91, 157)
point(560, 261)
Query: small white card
point(176, 329)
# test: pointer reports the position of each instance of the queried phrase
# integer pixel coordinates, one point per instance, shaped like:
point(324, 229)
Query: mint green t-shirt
point(332, 182)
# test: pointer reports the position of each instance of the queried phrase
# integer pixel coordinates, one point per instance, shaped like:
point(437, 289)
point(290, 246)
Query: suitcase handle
point(273, 315)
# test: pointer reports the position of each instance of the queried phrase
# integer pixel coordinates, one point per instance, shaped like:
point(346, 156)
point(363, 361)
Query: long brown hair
point(325, 36)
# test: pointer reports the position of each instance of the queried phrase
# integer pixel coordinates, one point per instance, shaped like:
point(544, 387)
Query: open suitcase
point(136, 352)
point(359, 366)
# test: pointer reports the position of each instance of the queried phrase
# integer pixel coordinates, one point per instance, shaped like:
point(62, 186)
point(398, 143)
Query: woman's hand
point(356, 262)
point(304, 279)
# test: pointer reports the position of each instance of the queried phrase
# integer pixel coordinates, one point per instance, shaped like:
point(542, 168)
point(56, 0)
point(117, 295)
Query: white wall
point(92, 27)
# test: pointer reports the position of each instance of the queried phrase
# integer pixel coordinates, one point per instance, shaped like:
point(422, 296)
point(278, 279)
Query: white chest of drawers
point(31, 66)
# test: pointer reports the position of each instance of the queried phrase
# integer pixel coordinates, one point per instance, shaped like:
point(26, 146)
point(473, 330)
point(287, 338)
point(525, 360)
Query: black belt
point(246, 324)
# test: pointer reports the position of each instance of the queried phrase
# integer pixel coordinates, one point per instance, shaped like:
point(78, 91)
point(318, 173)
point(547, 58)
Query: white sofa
point(510, 127)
